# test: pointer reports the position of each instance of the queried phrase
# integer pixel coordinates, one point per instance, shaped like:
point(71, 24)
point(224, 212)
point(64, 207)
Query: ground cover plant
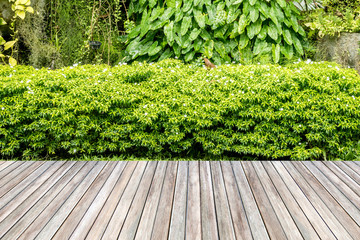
point(300, 111)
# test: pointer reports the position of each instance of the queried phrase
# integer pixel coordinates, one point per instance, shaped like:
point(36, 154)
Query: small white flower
point(96, 83)
point(145, 106)
point(297, 102)
point(353, 96)
point(300, 125)
point(185, 115)
point(338, 99)
point(174, 99)
point(232, 94)
point(146, 113)
point(162, 105)
point(74, 150)
point(327, 78)
point(172, 70)
point(344, 77)
point(2, 108)
point(195, 112)
point(299, 143)
point(184, 104)
point(281, 109)
point(190, 80)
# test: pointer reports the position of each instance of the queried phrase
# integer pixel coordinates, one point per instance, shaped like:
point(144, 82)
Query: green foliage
point(337, 16)
point(302, 111)
point(223, 31)
point(20, 8)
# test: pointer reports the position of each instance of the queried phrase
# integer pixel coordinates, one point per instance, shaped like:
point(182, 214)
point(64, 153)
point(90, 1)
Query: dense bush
point(302, 111)
point(220, 30)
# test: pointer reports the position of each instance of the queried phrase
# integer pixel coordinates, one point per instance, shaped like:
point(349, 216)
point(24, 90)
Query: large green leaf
point(282, 3)
point(254, 29)
point(209, 48)
point(144, 29)
point(171, 3)
point(297, 44)
point(294, 23)
point(134, 32)
point(154, 49)
point(259, 46)
point(167, 14)
point(199, 18)
point(287, 37)
point(252, 2)
point(243, 22)
point(166, 54)
point(156, 12)
point(169, 33)
point(197, 44)
point(205, 35)
point(287, 50)
point(194, 34)
point(232, 14)
point(220, 32)
point(189, 56)
point(264, 9)
point(152, 3)
point(272, 31)
point(157, 24)
point(234, 33)
point(254, 14)
point(263, 33)
point(187, 5)
point(244, 41)
point(220, 48)
point(185, 25)
point(272, 15)
point(179, 15)
point(276, 52)
point(237, 2)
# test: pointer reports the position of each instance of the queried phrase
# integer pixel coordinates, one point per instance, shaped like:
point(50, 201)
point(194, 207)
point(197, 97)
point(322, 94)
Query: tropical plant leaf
point(287, 37)
point(254, 14)
point(276, 52)
point(185, 25)
point(9, 44)
point(243, 22)
point(154, 49)
point(252, 2)
point(194, 34)
point(169, 33)
point(189, 56)
point(244, 41)
point(199, 18)
point(254, 29)
point(297, 44)
point(272, 31)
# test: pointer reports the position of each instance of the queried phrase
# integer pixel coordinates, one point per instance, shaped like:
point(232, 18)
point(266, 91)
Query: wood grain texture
point(208, 214)
point(179, 200)
point(347, 205)
point(146, 223)
point(98, 228)
point(255, 220)
point(314, 218)
point(351, 227)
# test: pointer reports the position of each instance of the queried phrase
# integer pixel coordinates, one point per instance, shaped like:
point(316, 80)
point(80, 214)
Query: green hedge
point(302, 111)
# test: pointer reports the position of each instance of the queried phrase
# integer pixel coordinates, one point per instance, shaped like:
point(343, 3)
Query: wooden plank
point(317, 222)
point(5, 164)
point(36, 209)
point(255, 221)
point(193, 215)
point(343, 187)
point(132, 220)
point(241, 226)
point(148, 216)
point(21, 207)
point(18, 175)
point(13, 192)
point(208, 214)
point(344, 177)
point(88, 219)
point(10, 201)
point(223, 215)
point(97, 229)
point(47, 212)
point(349, 171)
point(302, 223)
point(72, 220)
point(63, 212)
point(347, 222)
point(8, 170)
point(268, 214)
point(163, 215)
point(321, 207)
point(119, 215)
point(349, 207)
point(355, 166)
point(285, 219)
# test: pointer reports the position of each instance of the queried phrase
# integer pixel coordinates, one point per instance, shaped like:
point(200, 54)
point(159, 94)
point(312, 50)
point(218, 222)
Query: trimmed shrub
point(301, 111)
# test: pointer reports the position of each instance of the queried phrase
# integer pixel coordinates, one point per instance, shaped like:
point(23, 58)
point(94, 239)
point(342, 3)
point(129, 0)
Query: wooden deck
point(179, 200)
